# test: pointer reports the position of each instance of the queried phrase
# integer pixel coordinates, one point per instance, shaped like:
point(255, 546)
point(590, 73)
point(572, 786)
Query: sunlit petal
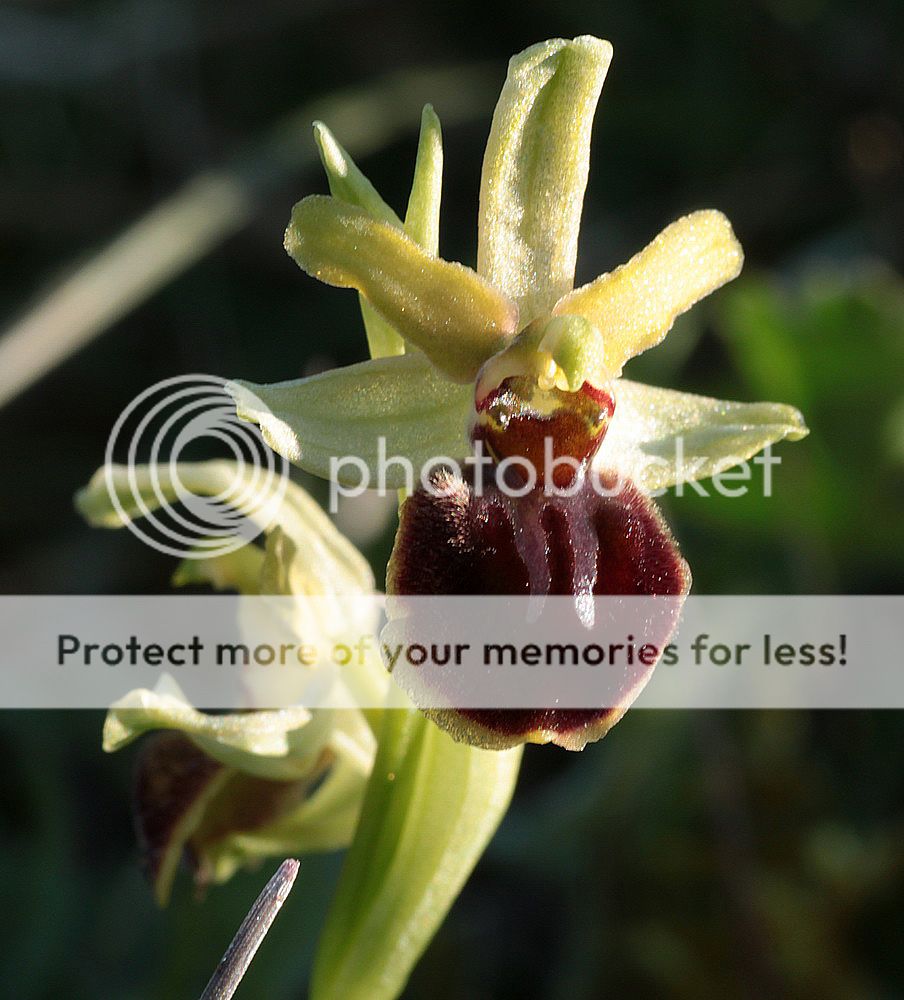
point(635, 305)
point(535, 171)
point(451, 314)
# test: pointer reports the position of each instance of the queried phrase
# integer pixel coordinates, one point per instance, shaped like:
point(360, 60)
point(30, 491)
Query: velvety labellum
point(456, 540)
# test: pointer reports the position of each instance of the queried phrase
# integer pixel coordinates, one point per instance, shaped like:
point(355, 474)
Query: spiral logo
point(190, 508)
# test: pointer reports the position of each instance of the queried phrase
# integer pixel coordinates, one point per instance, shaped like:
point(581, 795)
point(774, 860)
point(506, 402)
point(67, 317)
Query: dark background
point(688, 855)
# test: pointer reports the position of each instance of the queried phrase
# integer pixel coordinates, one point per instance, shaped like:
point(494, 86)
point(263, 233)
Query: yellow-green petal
point(348, 184)
point(660, 437)
point(535, 171)
point(451, 314)
point(404, 402)
point(422, 216)
point(635, 305)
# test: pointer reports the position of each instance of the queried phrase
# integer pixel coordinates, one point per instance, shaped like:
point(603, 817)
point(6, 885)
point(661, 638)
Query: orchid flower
point(513, 358)
point(509, 358)
point(230, 790)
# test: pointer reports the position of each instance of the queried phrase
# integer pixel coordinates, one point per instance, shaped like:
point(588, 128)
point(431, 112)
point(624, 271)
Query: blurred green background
point(687, 855)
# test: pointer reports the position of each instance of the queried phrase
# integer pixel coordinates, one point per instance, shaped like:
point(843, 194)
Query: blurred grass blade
point(142, 259)
point(185, 227)
point(430, 808)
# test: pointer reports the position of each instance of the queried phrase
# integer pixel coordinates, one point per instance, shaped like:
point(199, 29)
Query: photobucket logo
point(517, 476)
point(188, 508)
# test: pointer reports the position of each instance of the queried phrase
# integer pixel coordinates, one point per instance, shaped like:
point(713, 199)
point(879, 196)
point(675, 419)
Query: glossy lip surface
point(516, 420)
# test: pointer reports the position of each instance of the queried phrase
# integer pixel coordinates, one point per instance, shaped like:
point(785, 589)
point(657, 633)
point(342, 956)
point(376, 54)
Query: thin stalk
point(234, 964)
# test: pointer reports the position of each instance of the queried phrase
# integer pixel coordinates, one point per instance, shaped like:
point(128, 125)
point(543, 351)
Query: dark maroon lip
point(582, 545)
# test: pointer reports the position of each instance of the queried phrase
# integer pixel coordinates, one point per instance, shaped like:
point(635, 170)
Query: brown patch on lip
point(462, 543)
point(173, 780)
point(186, 803)
point(575, 423)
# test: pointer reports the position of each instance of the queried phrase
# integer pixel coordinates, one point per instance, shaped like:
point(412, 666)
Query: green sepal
point(405, 402)
point(659, 437)
point(535, 171)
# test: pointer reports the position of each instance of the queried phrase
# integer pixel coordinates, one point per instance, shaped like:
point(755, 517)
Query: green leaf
point(660, 437)
point(430, 808)
point(635, 305)
point(535, 171)
point(317, 421)
point(348, 184)
point(446, 310)
point(422, 217)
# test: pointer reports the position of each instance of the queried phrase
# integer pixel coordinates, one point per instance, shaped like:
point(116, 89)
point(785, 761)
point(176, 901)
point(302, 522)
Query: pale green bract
point(431, 807)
